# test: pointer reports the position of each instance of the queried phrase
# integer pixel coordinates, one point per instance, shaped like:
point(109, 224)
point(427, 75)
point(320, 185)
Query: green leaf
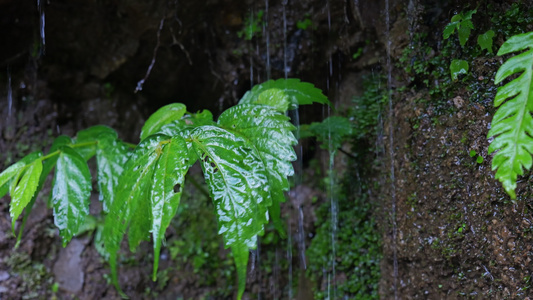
point(7, 175)
point(162, 116)
point(133, 187)
point(458, 66)
point(331, 132)
point(167, 187)
point(240, 256)
point(464, 31)
point(468, 15)
point(512, 124)
point(23, 191)
point(485, 41)
point(450, 29)
point(270, 134)
point(238, 184)
point(15, 171)
point(463, 23)
point(293, 90)
point(111, 157)
point(70, 193)
point(185, 125)
point(88, 138)
point(237, 181)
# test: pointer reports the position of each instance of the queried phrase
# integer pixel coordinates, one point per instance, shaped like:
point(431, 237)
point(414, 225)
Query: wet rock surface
point(458, 235)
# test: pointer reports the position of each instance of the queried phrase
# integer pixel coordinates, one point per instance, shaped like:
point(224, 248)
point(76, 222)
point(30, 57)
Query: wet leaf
point(461, 22)
point(464, 31)
point(133, 186)
point(70, 194)
point(485, 40)
point(161, 117)
point(240, 256)
point(88, 137)
point(7, 175)
point(457, 67)
point(450, 29)
point(238, 184)
point(331, 132)
point(185, 125)
point(167, 184)
point(111, 157)
point(270, 134)
point(23, 191)
point(512, 124)
point(15, 171)
point(292, 89)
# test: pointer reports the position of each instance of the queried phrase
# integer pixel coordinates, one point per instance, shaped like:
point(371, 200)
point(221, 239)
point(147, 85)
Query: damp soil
point(458, 233)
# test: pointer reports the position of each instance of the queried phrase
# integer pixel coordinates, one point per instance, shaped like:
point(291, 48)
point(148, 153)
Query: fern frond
point(512, 125)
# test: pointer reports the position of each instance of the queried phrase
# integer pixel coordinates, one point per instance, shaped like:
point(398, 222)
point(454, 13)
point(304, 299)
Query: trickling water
point(289, 258)
point(41, 25)
point(329, 15)
point(285, 70)
point(258, 272)
point(267, 36)
point(251, 58)
point(391, 150)
point(9, 94)
point(334, 221)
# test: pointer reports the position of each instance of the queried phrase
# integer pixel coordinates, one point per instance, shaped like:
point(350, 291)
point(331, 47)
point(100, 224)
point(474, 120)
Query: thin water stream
point(41, 25)
point(391, 150)
point(9, 94)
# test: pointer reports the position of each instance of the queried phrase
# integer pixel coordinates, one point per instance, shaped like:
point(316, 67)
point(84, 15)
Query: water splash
point(391, 150)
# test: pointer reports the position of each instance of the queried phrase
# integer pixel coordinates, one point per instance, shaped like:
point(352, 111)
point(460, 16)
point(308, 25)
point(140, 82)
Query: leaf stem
point(130, 145)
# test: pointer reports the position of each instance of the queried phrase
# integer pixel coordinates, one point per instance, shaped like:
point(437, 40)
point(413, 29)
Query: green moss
point(36, 279)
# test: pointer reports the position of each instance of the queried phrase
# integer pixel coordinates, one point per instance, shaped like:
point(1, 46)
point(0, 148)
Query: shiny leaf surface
point(70, 193)
point(7, 175)
point(133, 186)
point(111, 157)
point(161, 117)
point(270, 134)
point(88, 139)
point(292, 90)
point(22, 191)
point(167, 187)
point(512, 124)
point(237, 182)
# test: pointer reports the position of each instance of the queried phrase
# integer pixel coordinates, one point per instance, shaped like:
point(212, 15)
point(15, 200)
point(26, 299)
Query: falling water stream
point(41, 25)
point(391, 150)
point(9, 94)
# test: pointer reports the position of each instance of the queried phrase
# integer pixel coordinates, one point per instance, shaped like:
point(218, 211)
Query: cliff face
point(456, 231)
